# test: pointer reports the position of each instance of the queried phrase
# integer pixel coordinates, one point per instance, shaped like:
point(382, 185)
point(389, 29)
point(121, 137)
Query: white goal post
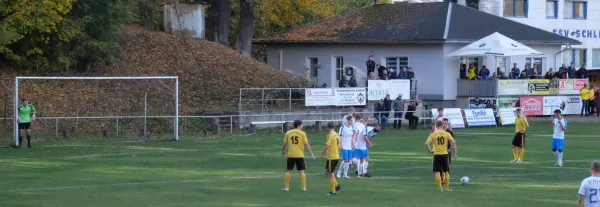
point(16, 96)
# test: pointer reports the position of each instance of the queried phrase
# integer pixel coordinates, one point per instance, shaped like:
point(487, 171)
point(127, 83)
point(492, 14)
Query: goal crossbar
point(16, 95)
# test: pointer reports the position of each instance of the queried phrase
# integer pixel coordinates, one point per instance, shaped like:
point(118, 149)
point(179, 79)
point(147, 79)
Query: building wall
point(425, 59)
point(572, 28)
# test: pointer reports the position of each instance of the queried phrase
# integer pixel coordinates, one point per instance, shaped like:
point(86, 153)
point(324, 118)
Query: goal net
point(98, 107)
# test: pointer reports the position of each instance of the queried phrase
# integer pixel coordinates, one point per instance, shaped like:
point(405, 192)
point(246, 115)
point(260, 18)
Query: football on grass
point(465, 180)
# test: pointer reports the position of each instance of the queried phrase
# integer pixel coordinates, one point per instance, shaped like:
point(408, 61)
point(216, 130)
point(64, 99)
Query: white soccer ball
point(465, 180)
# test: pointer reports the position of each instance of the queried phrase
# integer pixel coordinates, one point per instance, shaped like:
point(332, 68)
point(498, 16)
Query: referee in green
point(25, 111)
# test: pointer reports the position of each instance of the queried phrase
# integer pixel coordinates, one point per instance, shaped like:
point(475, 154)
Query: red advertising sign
point(532, 105)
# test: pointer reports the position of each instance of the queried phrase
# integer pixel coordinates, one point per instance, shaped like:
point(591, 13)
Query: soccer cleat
point(560, 164)
point(519, 161)
point(339, 176)
point(285, 189)
point(441, 190)
point(330, 194)
point(513, 161)
point(338, 187)
point(448, 189)
point(365, 175)
point(303, 189)
point(346, 177)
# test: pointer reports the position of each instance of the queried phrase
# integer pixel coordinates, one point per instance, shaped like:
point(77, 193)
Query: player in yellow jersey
point(440, 140)
point(518, 142)
point(296, 139)
point(332, 148)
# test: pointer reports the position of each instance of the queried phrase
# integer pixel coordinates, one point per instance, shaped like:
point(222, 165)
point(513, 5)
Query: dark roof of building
point(414, 23)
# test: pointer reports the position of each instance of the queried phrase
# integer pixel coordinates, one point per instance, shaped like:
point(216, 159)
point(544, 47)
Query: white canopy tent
point(495, 44)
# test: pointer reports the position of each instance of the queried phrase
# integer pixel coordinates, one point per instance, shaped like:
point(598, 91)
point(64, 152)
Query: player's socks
point(447, 180)
point(339, 172)
point(522, 153)
point(438, 179)
point(515, 153)
point(560, 158)
point(286, 180)
point(29, 141)
point(360, 169)
point(365, 166)
point(332, 185)
point(346, 168)
point(303, 180)
point(20, 140)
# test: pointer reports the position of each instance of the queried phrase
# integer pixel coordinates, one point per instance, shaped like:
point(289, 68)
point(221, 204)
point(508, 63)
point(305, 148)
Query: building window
point(339, 67)
point(596, 58)
point(515, 8)
point(502, 64)
point(551, 9)
point(537, 62)
point(313, 64)
point(396, 62)
point(576, 56)
point(575, 9)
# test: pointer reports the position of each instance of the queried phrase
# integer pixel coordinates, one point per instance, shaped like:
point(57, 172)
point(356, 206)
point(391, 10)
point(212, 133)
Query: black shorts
point(25, 125)
point(519, 140)
point(298, 162)
point(330, 165)
point(440, 163)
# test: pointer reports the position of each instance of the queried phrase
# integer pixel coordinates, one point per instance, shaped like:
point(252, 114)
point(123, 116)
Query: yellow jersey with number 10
point(295, 139)
point(441, 139)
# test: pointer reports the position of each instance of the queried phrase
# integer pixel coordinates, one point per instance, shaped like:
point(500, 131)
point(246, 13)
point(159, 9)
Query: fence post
point(290, 100)
point(145, 114)
point(231, 124)
point(117, 132)
point(262, 99)
point(240, 101)
point(56, 127)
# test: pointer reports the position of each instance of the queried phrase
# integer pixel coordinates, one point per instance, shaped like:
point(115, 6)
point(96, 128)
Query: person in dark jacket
point(411, 74)
point(463, 71)
point(412, 119)
point(392, 74)
point(352, 82)
point(403, 74)
point(343, 82)
point(398, 106)
point(582, 72)
point(370, 65)
point(571, 71)
point(380, 69)
point(561, 73)
point(550, 74)
point(378, 108)
point(515, 72)
point(387, 108)
point(484, 73)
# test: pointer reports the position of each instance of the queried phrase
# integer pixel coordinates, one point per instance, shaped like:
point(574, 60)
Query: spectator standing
point(392, 74)
point(412, 119)
point(383, 75)
point(500, 74)
point(515, 72)
point(471, 74)
point(584, 99)
point(324, 85)
point(582, 72)
point(597, 101)
point(387, 108)
point(571, 72)
point(528, 70)
point(379, 110)
point(343, 82)
point(380, 69)
point(370, 65)
point(592, 104)
point(398, 106)
point(535, 72)
point(352, 82)
point(463, 71)
point(549, 74)
point(484, 73)
point(523, 75)
point(411, 74)
point(561, 73)
point(403, 74)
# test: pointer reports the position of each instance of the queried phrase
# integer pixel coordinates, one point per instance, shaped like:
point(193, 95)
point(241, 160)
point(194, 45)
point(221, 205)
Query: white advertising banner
point(507, 116)
point(512, 87)
point(454, 115)
point(480, 117)
point(335, 97)
point(571, 86)
point(378, 89)
point(566, 104)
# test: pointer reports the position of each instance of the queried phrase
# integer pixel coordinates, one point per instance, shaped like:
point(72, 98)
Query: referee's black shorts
point(440, 163)
point(297, 162)
point(330, 165)
point(25, 125)
point(519, 140)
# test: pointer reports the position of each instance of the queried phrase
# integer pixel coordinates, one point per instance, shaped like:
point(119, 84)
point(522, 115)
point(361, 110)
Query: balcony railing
point(477, 88)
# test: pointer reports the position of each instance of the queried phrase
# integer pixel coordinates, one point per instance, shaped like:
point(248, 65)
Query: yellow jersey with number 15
point(441, 139)
point(333, 143)
point(295, 139)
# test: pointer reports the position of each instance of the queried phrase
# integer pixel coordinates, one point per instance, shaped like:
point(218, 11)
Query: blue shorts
point(361, 154)
point(558, 144)
point(346, 154)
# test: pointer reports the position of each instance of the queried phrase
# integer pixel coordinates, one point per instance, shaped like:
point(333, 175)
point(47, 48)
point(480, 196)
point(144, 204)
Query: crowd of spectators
point(383, 108)
point(473, 73)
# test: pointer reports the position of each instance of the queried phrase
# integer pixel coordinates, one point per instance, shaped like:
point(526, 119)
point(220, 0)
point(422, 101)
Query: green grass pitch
point(248, 171)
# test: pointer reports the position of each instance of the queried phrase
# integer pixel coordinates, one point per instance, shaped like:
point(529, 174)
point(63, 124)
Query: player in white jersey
point(589, 192)
point(350, 114)
point(347, 132)
point(440, 116)
point(362, 144)
point(558, 138)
